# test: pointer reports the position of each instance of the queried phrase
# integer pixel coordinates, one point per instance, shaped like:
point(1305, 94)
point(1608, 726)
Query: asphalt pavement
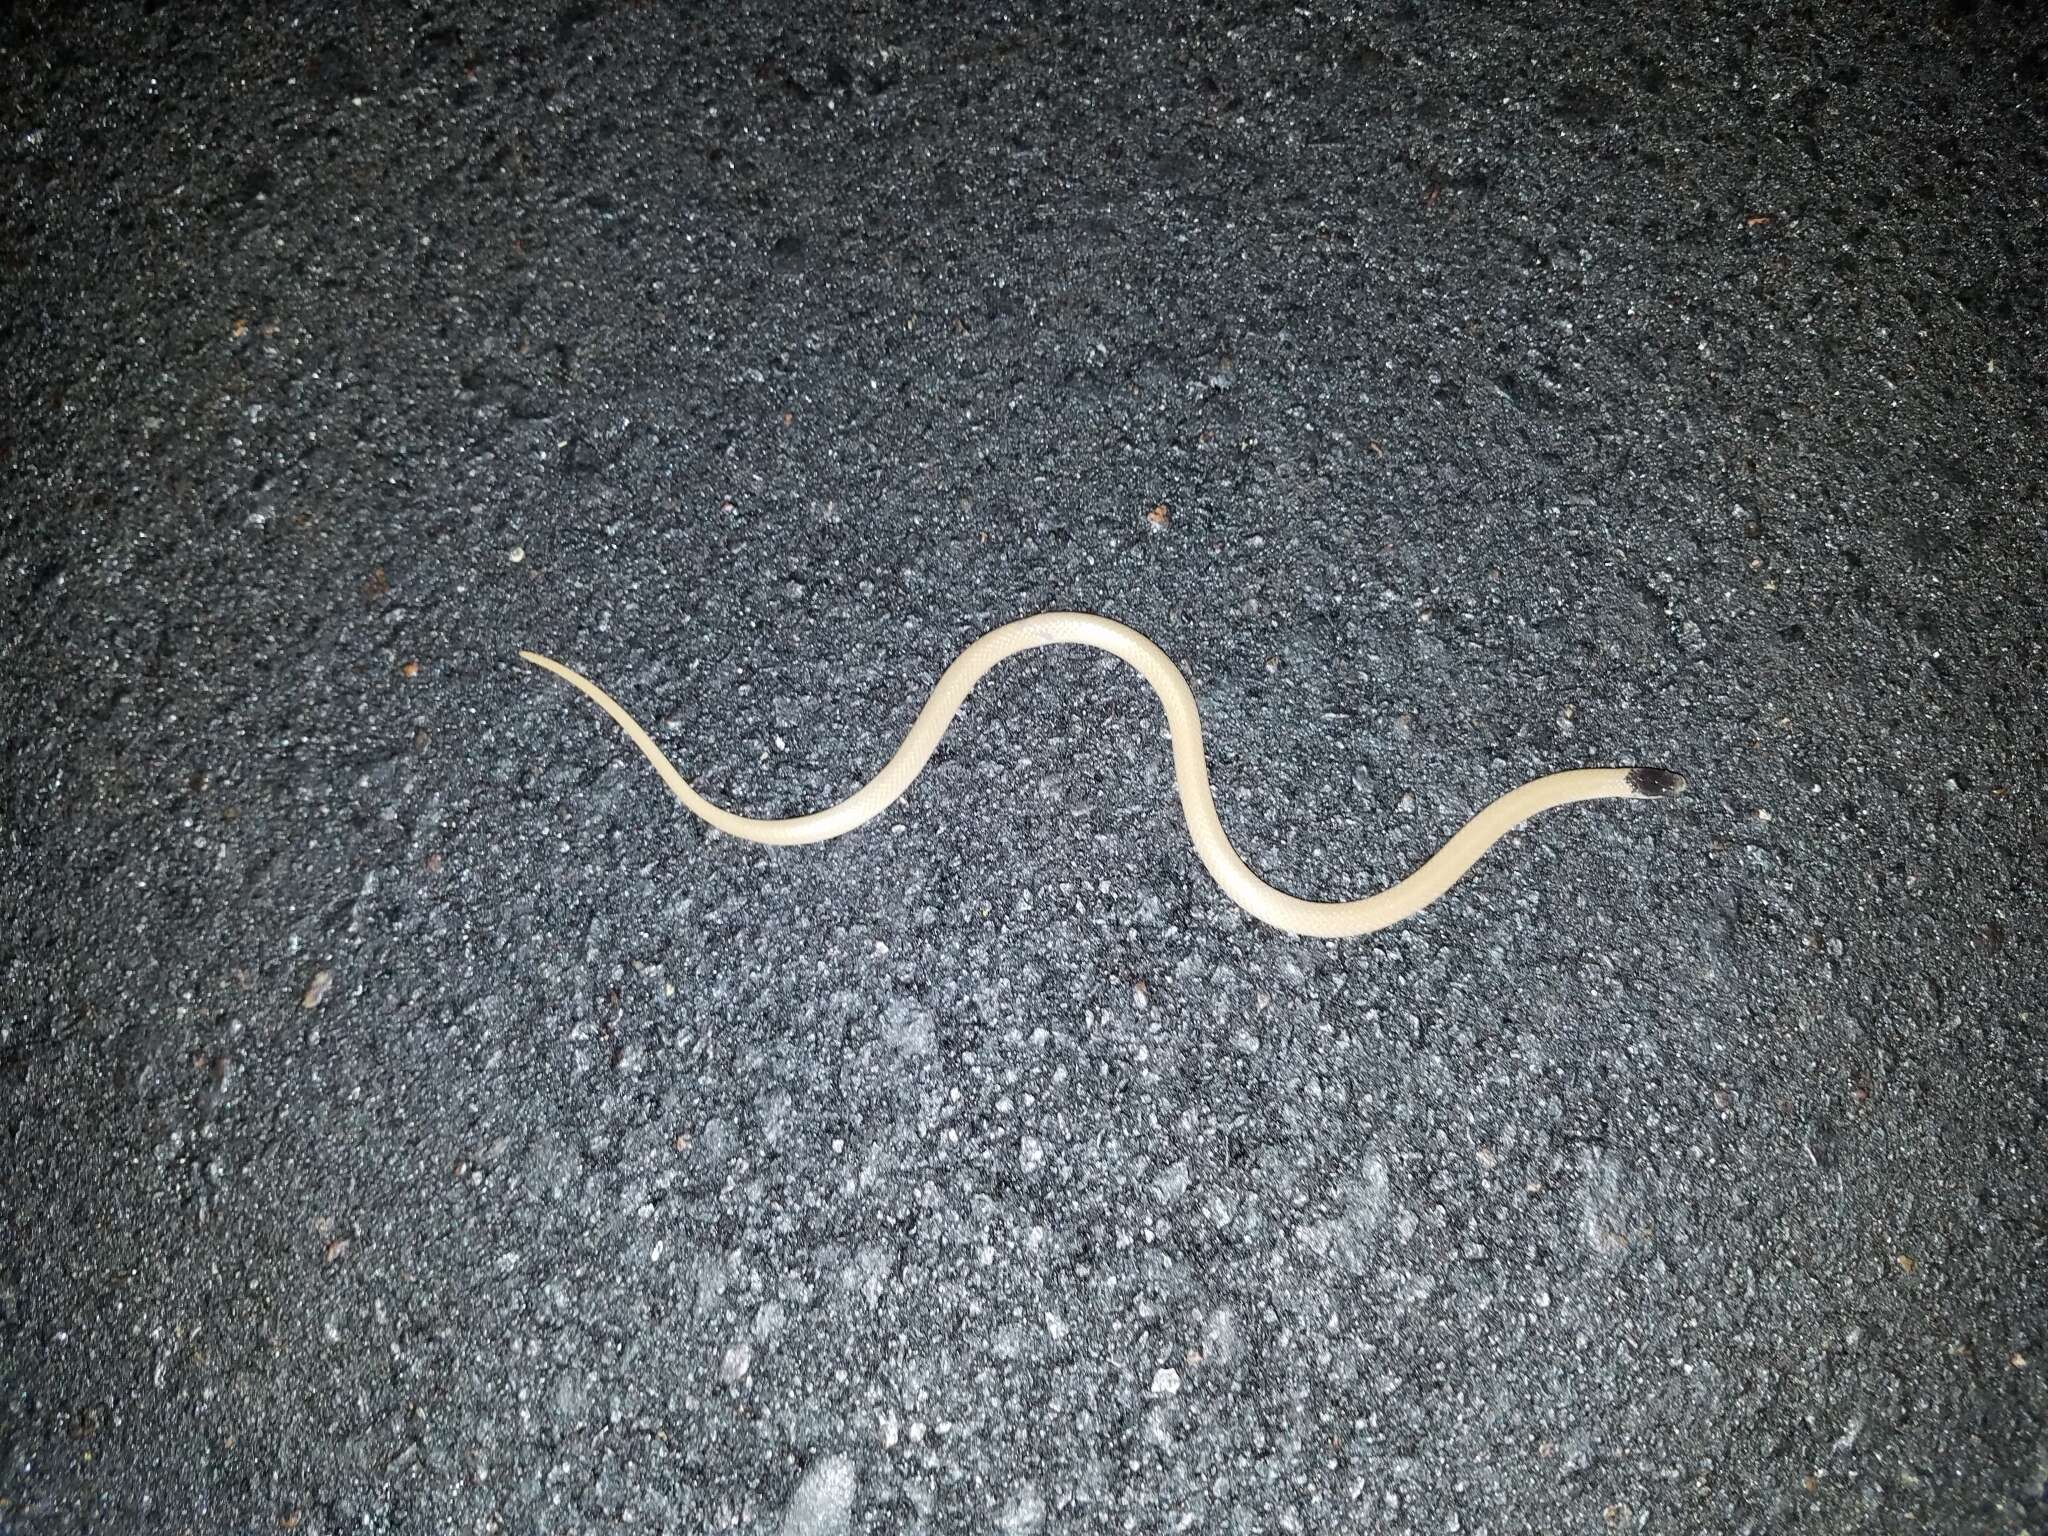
point(414, 1120)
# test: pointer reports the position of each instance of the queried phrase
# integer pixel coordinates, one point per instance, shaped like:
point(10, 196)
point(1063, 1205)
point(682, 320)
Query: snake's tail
point(631, 727)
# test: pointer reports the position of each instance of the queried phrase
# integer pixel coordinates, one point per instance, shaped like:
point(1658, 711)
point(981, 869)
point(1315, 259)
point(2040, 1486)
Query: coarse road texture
point(415, 1121)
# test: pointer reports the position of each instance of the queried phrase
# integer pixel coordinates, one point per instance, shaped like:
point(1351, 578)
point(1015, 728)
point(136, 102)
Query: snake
point(1293, 914)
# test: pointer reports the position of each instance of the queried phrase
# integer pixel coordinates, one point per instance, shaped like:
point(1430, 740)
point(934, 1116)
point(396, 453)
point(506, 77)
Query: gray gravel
point(416, 1122)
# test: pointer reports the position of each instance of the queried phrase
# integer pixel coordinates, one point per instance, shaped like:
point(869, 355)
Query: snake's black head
point(1655, 783)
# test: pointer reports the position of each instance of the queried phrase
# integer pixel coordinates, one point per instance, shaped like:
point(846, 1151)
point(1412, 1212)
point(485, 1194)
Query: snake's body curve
point(1317, 919)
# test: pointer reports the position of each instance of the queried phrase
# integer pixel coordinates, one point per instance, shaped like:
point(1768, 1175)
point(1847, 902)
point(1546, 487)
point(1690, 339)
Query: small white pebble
point(1762, 814)
point(1166, 1383)
point(1140, 998)
point(733, 1368)
point(316, 990)
point(516, 554)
